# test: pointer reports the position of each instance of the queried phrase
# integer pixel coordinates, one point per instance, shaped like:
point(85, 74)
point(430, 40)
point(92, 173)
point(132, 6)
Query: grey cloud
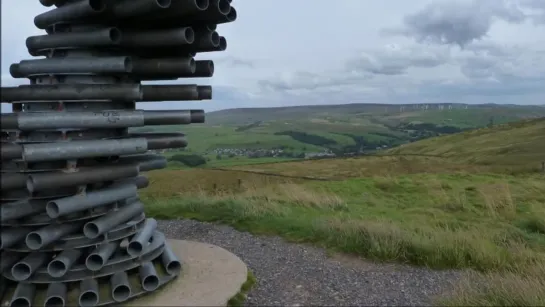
point(396, 61)
point(537, 10)
point(457, 22)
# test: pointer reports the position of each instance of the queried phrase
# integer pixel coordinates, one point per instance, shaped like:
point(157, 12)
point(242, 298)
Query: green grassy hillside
point(520, 144)
point(455, 201)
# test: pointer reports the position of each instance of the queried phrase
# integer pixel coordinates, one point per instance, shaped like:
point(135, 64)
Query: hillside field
point(473, 200)
point(338, 128)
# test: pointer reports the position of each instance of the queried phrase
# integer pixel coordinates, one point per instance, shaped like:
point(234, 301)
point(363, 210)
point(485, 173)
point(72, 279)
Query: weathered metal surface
point(73, 229)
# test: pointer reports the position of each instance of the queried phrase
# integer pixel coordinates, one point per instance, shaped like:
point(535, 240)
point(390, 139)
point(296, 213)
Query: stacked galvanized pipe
point(73, 228)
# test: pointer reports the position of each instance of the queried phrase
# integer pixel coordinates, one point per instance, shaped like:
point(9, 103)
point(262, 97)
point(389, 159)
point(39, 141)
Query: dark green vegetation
point(240, 298)
point(469, 200)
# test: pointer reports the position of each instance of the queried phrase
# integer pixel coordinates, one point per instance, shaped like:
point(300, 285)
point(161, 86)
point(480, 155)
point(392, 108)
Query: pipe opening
point(173, 267)
point(215, 38)
point(115, 35)
point(30, 184)
point(211, 67)
point(192, 65)
point(211, 27)
point(91, 230)
point(121, 293)
point(56, 268)
point(197, 116)
point(34, 241)
point(94, 262)
point(189, 35)
point(134, 248)
point(224, 7)
point(54, 301)
point(20, 302)
point(223, 43)
point(128, 64)
point(88, 298)
point(150, 283)
point(232, 15)
point(163, 3)
point(52, 209)
point(21, 271)
point(202, 4)
point(97, 5)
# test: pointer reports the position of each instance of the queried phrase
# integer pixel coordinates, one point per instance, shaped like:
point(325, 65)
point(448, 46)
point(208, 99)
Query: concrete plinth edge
point(210, 276)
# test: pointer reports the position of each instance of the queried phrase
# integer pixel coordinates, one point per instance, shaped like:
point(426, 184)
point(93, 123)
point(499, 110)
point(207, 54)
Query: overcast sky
point(293, 52)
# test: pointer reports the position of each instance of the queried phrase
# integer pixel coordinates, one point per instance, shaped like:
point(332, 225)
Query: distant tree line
point(189, 160)
point(307, 138)
point(431, 127)
point(248, 127)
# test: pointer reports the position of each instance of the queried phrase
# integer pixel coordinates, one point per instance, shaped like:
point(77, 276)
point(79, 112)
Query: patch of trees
point(249, 126)
point(189, 160)
point(431, 127)
point(364, 144)
point(307, 138)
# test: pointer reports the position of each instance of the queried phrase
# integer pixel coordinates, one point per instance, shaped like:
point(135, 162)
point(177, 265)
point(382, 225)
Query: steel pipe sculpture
point(73, 228)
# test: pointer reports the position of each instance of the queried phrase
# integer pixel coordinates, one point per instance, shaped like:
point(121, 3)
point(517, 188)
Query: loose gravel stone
point(291, 274)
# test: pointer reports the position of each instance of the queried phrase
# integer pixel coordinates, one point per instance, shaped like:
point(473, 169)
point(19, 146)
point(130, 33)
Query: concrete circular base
point(210, 277)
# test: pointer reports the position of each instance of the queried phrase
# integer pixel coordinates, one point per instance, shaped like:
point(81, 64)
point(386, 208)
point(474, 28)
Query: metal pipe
point(104, 223)
point(88, 290)
point(49, 2)
point(83, 149)
point(141, 182)
point(23, 295)
point(121, 288)
point(157, 38)
point(146, 162)
point(230, 17)
point(23, 269)
point(152, 165)
point(44, 236)
point(7, 259)
point(100, 256)
point(221, 47)
point(135, 8)
point(163, 140)
point(10, 151)
point(148, 277)
point(45, 181)
point(20, 208)
point(28, 121)
point(12, 235)
point(205, 39)
point(55, 295)
point(70, 92)
point(170, 92)
point(203, 69)
point(222, 7)
point(63, 262)
point(93, 38)
point(80, 202)
point(10, 181)
point(164, 66)
point(141, 239)
point(170, 262)
point(70, 12)
point(71, 65)
point(205, 92)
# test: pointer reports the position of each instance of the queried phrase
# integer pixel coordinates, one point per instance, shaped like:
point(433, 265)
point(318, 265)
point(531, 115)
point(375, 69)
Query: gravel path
point(297, 275)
